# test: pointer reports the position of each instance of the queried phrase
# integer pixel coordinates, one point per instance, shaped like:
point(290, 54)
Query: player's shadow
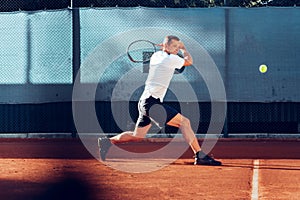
point(239, 165)
point(264, 166)
point(249, 166)
point(280, 167)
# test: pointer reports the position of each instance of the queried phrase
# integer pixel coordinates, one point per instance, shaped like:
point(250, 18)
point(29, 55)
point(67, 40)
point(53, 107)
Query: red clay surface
point(62, 168)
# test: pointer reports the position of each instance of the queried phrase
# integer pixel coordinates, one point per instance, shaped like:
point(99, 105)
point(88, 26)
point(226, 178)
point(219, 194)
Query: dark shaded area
point(42, 118)
point(254, 117)
point(30, 5)
point(70, 187)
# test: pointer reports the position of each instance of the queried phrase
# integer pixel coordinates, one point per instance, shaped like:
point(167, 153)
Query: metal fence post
point(226, 10)
point(76, 61)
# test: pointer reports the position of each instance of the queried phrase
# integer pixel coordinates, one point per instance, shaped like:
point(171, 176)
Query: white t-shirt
point(161, 70)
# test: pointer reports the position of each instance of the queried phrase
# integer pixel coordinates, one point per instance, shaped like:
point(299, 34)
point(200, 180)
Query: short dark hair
point(169, 38)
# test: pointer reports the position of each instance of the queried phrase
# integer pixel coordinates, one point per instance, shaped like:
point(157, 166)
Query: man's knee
point(185, 122)
point(140, 132)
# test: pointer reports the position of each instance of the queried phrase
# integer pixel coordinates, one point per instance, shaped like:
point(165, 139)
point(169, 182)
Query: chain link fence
point(40, 54)
point(36, 47)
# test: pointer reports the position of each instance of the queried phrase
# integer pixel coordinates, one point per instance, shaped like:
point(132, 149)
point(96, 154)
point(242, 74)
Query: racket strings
point(140, 51)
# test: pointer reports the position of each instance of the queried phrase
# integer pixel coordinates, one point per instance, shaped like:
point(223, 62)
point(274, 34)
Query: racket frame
point(136, 41)
point(177, 71)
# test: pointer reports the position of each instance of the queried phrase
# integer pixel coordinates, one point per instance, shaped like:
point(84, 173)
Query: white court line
point(254, 194)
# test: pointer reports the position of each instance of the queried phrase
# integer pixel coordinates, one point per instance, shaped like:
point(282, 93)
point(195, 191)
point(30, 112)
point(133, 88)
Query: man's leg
point(131, 136)
point(183, 123)
point(128, 136)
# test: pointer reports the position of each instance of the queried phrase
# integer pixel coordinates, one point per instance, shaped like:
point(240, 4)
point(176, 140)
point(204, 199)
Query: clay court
point(66, 70)
point(67, 73)
point(62, 168)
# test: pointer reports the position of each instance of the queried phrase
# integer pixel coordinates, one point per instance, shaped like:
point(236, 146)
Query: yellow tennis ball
point(263, 68)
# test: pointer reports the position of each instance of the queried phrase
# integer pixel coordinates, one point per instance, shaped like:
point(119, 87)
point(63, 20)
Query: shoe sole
point(103, 148)
point(208, 164)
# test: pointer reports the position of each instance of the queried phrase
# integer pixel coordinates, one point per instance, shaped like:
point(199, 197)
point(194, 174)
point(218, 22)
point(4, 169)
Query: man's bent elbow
point(188, 63)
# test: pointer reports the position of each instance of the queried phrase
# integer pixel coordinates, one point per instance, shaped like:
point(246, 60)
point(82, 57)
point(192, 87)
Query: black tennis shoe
point(202, 159)
point(104, 145)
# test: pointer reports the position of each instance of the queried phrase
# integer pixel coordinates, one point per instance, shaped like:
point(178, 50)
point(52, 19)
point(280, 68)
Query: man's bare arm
point(188, 59)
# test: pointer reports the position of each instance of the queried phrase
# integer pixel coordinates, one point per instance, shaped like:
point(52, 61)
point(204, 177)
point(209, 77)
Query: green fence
point(41, 53)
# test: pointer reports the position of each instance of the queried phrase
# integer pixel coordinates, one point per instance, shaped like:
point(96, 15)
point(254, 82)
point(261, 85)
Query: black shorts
point(151, 109)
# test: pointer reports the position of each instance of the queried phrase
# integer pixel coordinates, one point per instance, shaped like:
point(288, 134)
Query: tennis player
point(161, 70)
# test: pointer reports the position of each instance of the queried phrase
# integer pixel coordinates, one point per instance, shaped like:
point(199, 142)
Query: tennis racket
point(140, 51)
